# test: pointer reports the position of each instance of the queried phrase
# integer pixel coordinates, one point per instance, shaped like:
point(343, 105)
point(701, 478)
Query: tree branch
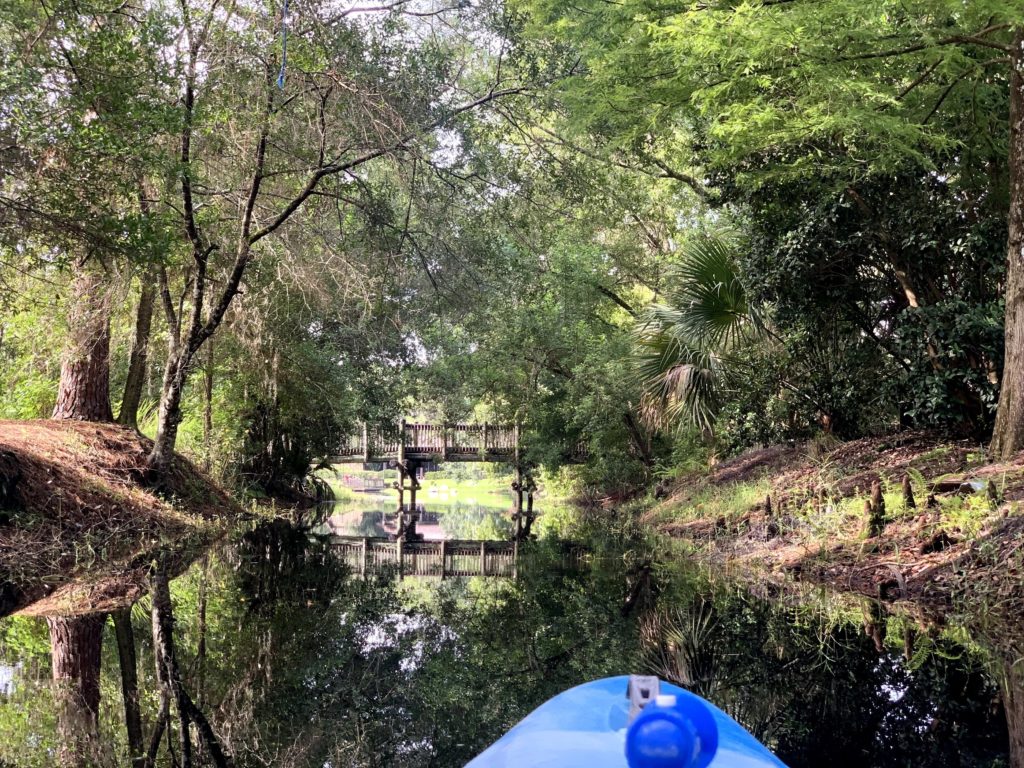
point(336, 168)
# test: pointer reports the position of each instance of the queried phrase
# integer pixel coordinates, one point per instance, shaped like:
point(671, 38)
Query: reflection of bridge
point(444, 559)
point(408, 447)
point(432, 442)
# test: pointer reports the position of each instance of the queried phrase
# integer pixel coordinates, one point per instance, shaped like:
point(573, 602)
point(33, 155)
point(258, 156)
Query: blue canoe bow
point(586, 727)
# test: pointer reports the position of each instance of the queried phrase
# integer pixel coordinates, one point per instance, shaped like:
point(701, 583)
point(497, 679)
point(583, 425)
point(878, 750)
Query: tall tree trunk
point(175, 376)
point(130, 685)
point(75, 643)
point(1008, 437)
point(129, 413)
point(84, 391)
point(201, 643)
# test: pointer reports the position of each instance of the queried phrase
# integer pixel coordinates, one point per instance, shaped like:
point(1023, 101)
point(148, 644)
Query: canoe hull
point(585, 727)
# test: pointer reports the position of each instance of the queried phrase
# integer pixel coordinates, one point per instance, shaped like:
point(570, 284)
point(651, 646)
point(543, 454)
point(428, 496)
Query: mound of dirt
point(74, 499)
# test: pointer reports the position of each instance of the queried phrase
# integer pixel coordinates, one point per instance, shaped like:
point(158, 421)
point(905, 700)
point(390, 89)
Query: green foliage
point(686, 343)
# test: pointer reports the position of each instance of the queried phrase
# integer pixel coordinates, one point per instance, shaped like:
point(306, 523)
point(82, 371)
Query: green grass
point(713, 502)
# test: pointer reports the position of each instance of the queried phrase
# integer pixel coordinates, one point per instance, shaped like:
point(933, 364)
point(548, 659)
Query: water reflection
point(268, 653)
point(434, 520)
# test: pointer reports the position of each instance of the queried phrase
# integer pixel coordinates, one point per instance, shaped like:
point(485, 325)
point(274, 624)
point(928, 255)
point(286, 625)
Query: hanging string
point(284, 45)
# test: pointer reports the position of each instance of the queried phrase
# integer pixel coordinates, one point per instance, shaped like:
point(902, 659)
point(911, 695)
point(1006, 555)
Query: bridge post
point(444, 558)
point(517, 488)
point(444, 441)
point(401, 442)
point(362, 559)
point(366, 443)
point(414, 485)
point(483, 448)
point(483, 558)
point(401, 573)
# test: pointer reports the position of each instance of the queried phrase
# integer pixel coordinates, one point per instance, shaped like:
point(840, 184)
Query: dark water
point(295, 663)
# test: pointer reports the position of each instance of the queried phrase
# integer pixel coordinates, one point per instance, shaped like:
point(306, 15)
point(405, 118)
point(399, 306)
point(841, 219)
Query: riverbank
point(73, 500)
point(948, 526)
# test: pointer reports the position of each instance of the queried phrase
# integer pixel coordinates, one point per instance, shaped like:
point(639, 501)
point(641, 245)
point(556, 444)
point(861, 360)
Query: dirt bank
point(73, 500)
point(802, 512)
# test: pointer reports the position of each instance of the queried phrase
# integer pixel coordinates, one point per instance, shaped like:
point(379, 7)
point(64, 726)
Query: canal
point(294, 660)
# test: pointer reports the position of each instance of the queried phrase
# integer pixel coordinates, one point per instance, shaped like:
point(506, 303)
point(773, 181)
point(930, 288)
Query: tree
point(84, 390)
point(838, 92)
point(542, 334)
point(298, 152)
point(363, 85)
point(128, 414)
point(71, 164)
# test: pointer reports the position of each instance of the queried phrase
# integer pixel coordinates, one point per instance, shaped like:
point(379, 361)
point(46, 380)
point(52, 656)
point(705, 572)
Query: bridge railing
point(444, 440)
point(467, 442)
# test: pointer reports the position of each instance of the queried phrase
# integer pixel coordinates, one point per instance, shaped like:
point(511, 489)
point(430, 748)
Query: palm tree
point(685, 345)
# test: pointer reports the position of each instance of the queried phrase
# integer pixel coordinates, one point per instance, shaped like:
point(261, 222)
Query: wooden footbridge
point(432, 442)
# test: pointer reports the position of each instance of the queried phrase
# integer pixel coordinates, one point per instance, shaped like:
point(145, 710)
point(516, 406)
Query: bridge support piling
point(400, 485)
point(414, 484)
point(517, 490)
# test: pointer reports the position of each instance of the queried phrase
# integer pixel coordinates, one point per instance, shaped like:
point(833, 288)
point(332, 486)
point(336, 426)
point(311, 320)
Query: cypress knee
point(908, 494)
point(874, 510)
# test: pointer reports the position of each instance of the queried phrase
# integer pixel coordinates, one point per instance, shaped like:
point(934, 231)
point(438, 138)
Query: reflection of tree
point(75, 644)
point(683, 647)
point(280, 562)
point(825, 693)
point(129, 685)
point(170, 679)
point(1013, 703)
point(470, 521)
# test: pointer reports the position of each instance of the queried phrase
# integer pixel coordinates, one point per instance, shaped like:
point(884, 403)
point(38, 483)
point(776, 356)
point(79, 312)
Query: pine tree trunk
point(75, 643)
point(170, 677)
point(129, 413)
point(84, 391)
point(1008, 437)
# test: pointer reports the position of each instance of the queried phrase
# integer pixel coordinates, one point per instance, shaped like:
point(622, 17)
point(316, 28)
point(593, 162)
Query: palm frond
point(708, 297)
point(683, 345)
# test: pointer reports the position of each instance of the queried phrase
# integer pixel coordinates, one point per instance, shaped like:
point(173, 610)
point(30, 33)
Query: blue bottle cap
point(672, 733)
